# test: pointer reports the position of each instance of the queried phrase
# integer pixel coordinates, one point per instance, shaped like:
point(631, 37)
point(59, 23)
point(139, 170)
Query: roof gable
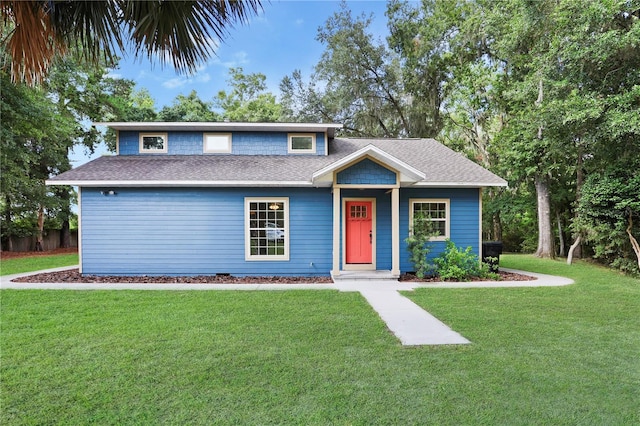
point(408, 174)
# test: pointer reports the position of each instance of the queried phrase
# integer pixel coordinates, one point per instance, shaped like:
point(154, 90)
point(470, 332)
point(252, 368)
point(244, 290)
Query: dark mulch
point(73, 276)
point(504, 276)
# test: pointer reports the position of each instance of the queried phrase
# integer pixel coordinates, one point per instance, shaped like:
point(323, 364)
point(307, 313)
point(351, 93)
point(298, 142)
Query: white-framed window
point(153, 143)
point(266, 228)
point(217, 143)
point(302, 143)
point(435, 210)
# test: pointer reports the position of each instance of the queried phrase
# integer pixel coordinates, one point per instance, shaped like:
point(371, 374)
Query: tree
point(609, 215)
point(247, 99)
point(39, 127)
point(188, 108)
point(184, 33)
point(356, 82)
point(34, 146)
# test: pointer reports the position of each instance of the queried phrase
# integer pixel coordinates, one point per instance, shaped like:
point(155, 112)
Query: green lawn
point(35, 263)
point(566, 355)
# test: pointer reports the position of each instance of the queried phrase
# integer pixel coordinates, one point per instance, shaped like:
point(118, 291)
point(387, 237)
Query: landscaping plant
point(418, 245)
point(456, 264)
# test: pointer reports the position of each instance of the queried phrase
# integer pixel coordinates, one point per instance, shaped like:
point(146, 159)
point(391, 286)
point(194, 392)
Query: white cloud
point(175, 82)
point(299, 22)
point(239, 58)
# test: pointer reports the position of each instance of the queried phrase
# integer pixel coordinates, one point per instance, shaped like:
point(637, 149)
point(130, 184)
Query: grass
point(34, 263)
point(566, 355)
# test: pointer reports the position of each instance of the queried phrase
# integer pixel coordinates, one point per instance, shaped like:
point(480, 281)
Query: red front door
point(359, 237)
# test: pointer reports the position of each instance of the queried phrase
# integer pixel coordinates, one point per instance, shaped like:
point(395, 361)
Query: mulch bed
point(73, 276)
point(504, 276)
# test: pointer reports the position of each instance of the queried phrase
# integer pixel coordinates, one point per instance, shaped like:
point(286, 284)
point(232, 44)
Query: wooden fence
point(51, 241)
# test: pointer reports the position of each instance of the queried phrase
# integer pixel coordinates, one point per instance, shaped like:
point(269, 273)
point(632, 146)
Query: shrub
point(418, 245)
point(458, 265)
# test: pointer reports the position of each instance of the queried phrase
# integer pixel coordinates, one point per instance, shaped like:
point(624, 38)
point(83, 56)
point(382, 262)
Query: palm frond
point(183, 32)
point(31, 41)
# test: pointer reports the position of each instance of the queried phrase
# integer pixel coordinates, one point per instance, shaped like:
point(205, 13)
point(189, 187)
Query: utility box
point(491, 251)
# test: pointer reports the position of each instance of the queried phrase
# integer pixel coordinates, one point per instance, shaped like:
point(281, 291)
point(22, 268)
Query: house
point(268, 199)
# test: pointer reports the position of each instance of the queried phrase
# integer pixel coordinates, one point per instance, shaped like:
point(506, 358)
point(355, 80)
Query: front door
point(359, 232)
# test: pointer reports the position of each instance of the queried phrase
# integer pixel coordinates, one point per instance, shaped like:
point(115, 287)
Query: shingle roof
point(441, 166)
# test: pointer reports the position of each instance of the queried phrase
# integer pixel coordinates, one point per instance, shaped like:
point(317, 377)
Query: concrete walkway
point(411, 324)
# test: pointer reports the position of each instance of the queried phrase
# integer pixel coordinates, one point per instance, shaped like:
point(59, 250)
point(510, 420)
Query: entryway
point(359, 234)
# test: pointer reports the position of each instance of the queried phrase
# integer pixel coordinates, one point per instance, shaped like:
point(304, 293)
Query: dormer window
point(302, 143)
point(217, 143)
point(153, 143)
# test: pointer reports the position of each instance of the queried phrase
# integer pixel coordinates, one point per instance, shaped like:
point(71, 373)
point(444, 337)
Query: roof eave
point(156, 126)
point(178, 183)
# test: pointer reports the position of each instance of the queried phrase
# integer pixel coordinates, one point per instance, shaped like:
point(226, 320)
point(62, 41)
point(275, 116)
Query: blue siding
point(172, 231)
point(242, 143)
point(464, 224)
point(367, 172)
point(197, 231)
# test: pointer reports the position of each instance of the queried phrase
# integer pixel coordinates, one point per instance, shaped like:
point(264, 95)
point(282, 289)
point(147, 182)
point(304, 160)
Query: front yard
point(566, 355)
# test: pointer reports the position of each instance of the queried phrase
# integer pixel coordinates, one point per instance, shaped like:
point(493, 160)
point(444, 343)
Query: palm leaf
point(183, 32)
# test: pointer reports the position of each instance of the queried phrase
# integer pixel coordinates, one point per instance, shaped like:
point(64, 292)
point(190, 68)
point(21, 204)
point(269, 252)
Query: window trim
point(247, 229)
point(290, 148)
point(216, 151)
point(447, 221)
point(142, 150)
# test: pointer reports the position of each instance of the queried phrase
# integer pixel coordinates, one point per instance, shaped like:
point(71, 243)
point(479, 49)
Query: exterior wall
point(464, 228)
point(171, 231)
point(242, 143)
point(178, 231)
point(366, 172)
point(464, 222)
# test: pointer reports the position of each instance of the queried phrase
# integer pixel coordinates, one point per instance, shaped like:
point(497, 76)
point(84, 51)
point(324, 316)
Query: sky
point(281, 39)
point(277, 41)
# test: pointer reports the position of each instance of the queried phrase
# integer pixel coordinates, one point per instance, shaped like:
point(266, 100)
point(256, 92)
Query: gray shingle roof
point(440, 164)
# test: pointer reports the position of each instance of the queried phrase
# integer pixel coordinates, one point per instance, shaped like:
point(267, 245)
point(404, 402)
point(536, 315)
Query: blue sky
point(279, 40)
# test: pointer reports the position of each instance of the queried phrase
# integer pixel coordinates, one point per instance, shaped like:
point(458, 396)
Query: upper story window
point(217, 143)
point(435, 211)
point(153, 142)
point(302, 143)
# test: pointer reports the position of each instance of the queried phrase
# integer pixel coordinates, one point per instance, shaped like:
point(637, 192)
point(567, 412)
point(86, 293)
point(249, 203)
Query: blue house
point(268, 199)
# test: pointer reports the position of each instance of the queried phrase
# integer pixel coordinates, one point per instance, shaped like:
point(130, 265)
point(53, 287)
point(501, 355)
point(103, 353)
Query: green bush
point(456, 264)
point(418, 245)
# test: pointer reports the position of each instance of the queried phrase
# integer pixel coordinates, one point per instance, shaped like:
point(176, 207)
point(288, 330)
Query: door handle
point(370, 238)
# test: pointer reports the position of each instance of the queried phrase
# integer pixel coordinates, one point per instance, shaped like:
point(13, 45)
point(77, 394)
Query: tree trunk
point(7, 223)
point(65, 231)
point(545, 233)
point(65, 234)
point(497, 227)
point(40, 233)
point(632, 239)
point(576, 247)
point(560, 236)
point(573, 247)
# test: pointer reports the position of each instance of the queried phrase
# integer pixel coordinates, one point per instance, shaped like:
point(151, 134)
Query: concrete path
point(411, 324)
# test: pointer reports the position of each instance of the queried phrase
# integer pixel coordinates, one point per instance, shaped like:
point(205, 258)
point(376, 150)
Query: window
point(434, 210)
point(217, 143)
point(302, 143)
point(153, 142)
point(267, 228)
